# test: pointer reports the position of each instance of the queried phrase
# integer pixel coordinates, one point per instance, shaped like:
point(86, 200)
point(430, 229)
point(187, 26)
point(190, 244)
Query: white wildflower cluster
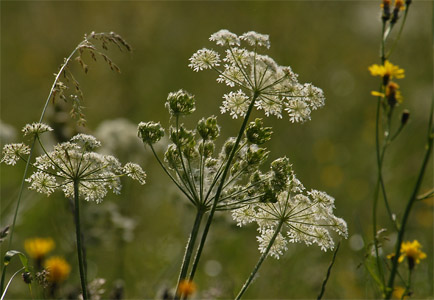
point(273, 88)
point(14, 152)
point(286, 207)
point(36, 128)
point(70, 162)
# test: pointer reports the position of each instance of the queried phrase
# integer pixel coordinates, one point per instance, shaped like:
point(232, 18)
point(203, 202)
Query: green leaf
point(11, 253)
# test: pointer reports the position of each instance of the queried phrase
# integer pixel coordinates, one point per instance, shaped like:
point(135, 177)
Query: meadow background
point(328, 43)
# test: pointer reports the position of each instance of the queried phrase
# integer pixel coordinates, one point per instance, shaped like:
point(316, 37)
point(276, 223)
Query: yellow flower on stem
point(186, 288)
point(387, 71)
point(398, 293)
point(37, 248)
point(412, 251)
point(399, 5)
point(393, 94)
point(58, 269)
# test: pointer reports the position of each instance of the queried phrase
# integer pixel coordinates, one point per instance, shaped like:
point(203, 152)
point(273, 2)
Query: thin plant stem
point(392, 48)
point(11, 235)
point(10, 281)
point(408, 208)
point(220, 187)
point(321, 293)
point(260, 261)
point(190, 246)
point(79, 243)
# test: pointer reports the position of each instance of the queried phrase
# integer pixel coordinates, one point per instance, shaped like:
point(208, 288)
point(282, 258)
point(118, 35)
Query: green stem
point(406, 215)
point(189, 249)
point(377, 190)
point(78, 236)
point(10, 281)
point(260, 261)
point(220, 187)
point(11, 235)
point(328, 272)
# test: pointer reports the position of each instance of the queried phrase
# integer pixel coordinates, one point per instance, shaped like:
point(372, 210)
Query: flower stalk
point(81, 262)
point(220, 188)
point(260, 261)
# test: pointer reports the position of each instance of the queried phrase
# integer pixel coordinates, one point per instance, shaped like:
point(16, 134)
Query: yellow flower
point(398, 293)
point(399, 5)
point(388, 70)
point(393, 93)
point(58, 269)
point(37, 248)
point(186, 288)
point(412, 251)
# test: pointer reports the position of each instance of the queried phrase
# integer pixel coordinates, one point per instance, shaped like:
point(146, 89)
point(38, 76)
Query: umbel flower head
point(196, 167)
point(259, 79)
point(285, 206)
point(74, 161)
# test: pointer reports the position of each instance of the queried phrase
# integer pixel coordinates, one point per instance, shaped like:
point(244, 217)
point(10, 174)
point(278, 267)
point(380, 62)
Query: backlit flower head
point(204, 59)
point(225, 38)
point(73, 161)
point(36, 128)
point(272, 87)
point(300, 215)
point(13, 152)
point(180, 103)
point(37, 248)
point(58, 269)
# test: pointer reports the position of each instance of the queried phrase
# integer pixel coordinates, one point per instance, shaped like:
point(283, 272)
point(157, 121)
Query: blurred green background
point(328, 43)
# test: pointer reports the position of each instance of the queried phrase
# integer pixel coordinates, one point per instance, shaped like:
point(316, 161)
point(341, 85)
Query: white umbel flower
point(42, 183)
point(204, 59)
point(256, 39)
point(73, 162)
point(36, 128)
point(13, 152)
point(272, 87)
point(236, 103)
point(225, 38)
point(135, 172)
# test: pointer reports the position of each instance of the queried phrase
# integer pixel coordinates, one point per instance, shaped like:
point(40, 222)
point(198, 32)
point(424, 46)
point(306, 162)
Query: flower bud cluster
point(257, 134)
point(180, 103)
point(150, 132)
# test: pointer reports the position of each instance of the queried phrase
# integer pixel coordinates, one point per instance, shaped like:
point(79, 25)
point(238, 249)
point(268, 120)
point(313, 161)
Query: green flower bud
point(150, 132)
point(171, 157)
point(180, 103)
point(208, 129)
point(255, 156)
point(227, 147)
point(256, 134)
point(182, 137)
point(269, 195)
point(282, 170)
point(206, 149)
